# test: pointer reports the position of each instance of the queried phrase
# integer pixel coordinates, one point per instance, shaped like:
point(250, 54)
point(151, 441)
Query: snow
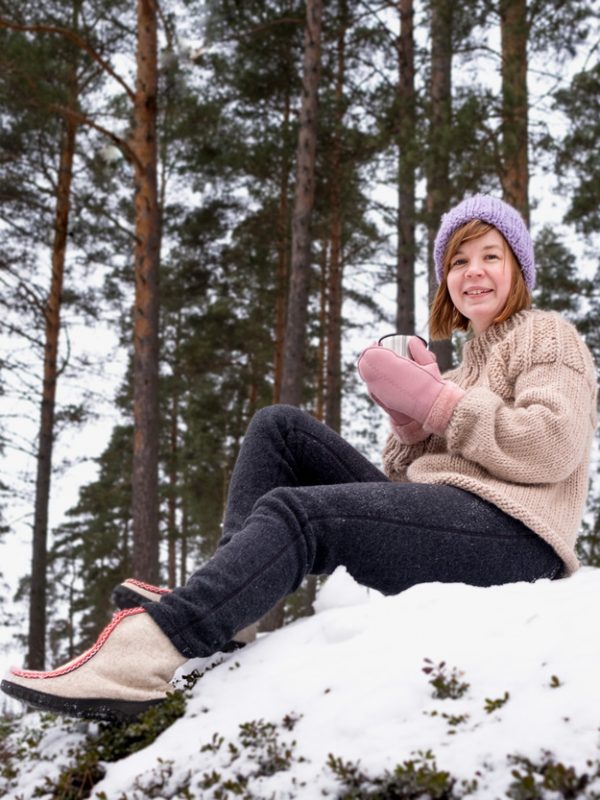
point(352, 676)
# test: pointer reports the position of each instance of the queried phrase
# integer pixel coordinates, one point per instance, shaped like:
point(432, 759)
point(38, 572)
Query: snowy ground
point(352, 679)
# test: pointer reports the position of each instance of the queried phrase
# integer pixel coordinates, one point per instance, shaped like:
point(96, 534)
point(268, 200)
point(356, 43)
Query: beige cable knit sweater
point(522, 434)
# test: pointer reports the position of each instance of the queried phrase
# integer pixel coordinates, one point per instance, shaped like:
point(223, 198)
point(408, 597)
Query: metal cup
point(398, 342)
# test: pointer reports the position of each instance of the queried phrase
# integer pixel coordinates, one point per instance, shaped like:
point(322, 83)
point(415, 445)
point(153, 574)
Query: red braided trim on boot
point(148, 586)
point(85, 657)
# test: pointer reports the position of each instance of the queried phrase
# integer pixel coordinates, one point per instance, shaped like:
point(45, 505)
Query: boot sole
point(88, 708)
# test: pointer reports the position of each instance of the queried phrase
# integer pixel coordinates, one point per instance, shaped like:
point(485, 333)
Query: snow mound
point(349, 681)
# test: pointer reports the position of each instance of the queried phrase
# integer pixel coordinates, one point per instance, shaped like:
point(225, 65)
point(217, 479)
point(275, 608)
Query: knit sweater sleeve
point(397, 456)
point(539, 434)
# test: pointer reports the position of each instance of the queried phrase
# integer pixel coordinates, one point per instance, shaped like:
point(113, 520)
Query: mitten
point(408, 430)
point(410, 389)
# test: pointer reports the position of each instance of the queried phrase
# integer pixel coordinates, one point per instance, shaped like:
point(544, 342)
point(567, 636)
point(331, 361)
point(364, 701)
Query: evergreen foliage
point(559, 286)
point(577, 157)
point(92, 551)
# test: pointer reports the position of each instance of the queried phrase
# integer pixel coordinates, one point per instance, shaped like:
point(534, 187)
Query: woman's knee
point(277, 414)
point(280, 501)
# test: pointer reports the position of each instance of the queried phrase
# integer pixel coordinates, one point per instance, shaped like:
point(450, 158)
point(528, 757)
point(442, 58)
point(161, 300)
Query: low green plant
point(156, 782)
point(259, 742)
point(22, 743)
point(453, 720)
point(447, 685)
point(112, 742)
point(415, 779)
point(493, 705)
point(551, 778)
point(270, 754)
point(77, 780)
point(8, 754)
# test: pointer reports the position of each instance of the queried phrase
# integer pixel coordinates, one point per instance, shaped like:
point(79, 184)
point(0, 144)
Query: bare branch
point(60, 369)
point(82, 119)
point(167, 27)
point(11, 329)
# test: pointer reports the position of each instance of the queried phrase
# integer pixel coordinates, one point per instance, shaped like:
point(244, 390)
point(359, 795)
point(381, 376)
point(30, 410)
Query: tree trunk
point(184, 545)
point(319, 412)
point(297, 307)
point(147, 256)
point(515, 167)
point(37, 607)
point(406, 139)
point(295, 331)
point(282, 264)
point(440, 130)
point(333, 388)
point(333, 385)
point(173, 466)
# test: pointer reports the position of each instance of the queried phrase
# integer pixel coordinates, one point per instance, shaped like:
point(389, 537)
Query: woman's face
point(480, 279)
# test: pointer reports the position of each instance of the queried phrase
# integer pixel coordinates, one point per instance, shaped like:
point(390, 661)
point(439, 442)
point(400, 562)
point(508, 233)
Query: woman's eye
point(458, 262)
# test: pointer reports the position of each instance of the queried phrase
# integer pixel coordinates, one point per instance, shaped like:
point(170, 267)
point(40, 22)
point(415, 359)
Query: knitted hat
point(497, 213)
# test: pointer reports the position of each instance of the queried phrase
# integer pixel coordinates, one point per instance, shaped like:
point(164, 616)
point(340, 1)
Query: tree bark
point(333, 387)
point(440, 138)
point(37, 606)
point(173, 464)
point(319, 410)
point(406, 140)
point(515, 166)
point(183, 571)
point(295, 331)
point(147, 256)
point(282, 264)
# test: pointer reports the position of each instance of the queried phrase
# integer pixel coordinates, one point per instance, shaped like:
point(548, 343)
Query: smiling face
point(480, 278)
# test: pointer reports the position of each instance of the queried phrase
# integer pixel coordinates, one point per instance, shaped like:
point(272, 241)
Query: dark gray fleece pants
point(303, 501)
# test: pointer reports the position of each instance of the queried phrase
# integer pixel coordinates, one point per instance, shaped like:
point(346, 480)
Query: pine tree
point(440, 144)
point(55, 77)
point(407, 169)
point(96, 544)
point(577, 155)
point(295, 331)
point(559, 286)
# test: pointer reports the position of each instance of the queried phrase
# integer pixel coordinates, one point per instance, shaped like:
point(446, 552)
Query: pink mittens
point(410, 391)
point(408, 430)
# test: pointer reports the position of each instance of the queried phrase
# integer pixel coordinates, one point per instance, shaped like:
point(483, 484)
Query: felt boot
point(126, 672)
point(131, 592)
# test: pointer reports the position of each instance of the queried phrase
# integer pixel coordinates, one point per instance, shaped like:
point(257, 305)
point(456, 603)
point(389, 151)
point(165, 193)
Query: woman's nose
point(475, 267)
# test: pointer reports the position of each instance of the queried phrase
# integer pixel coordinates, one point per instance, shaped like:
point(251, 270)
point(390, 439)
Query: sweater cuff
point(441, 411)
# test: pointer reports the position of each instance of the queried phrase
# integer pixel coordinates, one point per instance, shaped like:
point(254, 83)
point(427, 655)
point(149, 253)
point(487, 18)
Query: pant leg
point(389, 536)
point(285, 446)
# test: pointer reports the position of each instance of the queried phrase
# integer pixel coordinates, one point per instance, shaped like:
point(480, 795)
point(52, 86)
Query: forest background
point(207, 207)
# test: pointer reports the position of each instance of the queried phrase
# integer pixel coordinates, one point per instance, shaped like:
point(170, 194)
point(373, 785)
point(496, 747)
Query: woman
point(486, 478)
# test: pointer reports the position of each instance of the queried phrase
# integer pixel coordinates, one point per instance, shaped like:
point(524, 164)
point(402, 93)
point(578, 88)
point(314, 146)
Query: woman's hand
point(408, 430)
point(410, 391)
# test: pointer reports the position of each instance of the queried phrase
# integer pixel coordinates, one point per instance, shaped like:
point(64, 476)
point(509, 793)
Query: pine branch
point(76, 40)
point(83, 119)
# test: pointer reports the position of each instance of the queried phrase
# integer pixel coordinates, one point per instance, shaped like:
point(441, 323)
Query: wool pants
point(304, 501)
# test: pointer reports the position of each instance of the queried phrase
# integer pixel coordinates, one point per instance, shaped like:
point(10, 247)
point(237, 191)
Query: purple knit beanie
point(497, 213)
